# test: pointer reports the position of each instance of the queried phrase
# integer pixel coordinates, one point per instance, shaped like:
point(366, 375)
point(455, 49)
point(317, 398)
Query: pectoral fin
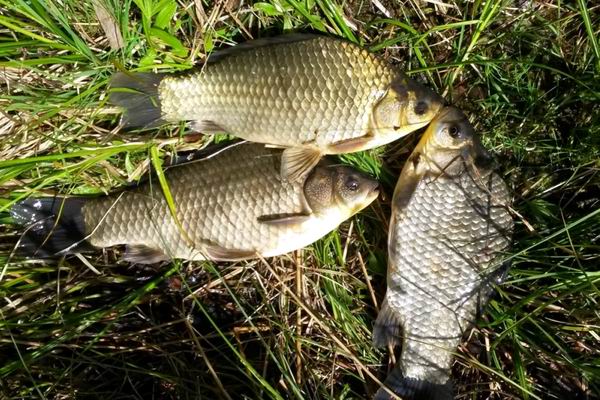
point(409, 179)
point(387, 329)
point(219, 253)
point(296, 162)
point(351, 145)
point(283, 219)
point(142, 254)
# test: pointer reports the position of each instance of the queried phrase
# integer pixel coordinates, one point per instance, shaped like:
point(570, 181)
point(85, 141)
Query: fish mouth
point(481, 157)
point(374, 191)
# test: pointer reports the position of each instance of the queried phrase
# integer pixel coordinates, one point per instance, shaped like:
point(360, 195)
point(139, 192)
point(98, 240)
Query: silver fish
point(449, 229)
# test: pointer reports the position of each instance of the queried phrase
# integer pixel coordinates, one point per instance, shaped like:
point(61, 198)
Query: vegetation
point(526, 72)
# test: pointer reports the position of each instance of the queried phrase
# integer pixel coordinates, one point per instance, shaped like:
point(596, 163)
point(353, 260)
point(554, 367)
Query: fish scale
point(259, 94)
point(220, 202)
point(449, 231)
point(437, 224)
point(313, 95)
point(213, 201)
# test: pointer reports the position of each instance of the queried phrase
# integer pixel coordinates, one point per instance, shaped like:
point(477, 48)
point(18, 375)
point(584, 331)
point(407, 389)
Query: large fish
point(230, 205)
point(449, 229)
point(312, 94)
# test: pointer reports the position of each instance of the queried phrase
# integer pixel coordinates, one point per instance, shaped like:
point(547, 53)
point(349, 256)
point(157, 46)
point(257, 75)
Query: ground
point(526, 72)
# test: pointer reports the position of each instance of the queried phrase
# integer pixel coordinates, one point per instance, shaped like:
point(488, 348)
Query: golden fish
point(230, 205)
point(314, 95)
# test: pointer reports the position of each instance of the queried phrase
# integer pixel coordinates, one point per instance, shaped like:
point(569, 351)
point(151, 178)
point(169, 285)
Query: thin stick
point(368, 281)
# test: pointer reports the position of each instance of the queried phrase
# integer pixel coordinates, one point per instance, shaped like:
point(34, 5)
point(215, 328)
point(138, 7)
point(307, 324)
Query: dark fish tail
point(413, 389)
point(54, 226)
point(137, 94)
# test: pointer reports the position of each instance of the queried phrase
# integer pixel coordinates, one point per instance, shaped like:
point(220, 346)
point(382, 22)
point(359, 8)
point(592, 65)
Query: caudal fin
point(137, 94)
point(53, 226)
point(413, 389)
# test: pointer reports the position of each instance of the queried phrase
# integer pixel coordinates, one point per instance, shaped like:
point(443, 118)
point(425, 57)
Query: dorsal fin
point(256, 43)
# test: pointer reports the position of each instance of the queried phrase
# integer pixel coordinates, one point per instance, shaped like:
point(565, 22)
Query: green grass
point(527, 73)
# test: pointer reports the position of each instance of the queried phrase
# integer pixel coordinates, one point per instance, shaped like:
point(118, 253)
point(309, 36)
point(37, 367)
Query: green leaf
point(267, 8)
point(177, 47)
point(165, 15)
point(149, 58)
point(164, 185)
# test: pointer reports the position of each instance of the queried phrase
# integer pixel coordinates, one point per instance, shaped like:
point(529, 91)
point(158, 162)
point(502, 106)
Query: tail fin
point(54, 226)
point(413, 389)
point(137, 94)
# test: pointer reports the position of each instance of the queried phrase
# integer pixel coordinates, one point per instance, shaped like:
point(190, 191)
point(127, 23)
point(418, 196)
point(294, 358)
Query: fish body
point(314, 94)
point(231, 205)
point(450, 226)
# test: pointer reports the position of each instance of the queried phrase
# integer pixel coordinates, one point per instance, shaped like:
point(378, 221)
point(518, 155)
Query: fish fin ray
point(387, 329)
point(256, 43)
point(137, 94)
point(284, 219)
point(206, 126)
point(413, 389)
point(297, 162)
point(216, 252)
point(142, 254)
point(54, 226)
point(351, 145)
point(409, 179)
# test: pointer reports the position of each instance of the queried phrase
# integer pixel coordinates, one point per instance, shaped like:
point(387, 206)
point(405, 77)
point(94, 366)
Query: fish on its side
point(449, 229)
point(231, 205)
point(312, 94)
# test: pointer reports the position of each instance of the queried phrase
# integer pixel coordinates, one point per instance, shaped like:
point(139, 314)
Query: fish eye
point(352, 184)
point(421, 108)
point(453, 131)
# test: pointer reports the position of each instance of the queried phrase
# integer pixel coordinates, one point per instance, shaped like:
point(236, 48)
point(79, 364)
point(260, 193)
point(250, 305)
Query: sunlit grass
point(298, 326)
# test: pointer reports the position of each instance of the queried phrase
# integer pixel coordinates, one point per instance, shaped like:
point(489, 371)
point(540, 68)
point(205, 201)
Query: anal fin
point(297, 162)
point(387, 329)
point(142, 254)
point(216, 252)
point(206, 126)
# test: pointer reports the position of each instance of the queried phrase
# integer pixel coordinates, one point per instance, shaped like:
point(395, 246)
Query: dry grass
point(298, 326)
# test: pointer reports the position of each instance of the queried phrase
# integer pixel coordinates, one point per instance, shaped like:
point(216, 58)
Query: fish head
point(421, 105)
point(405, 107)
point(339, 187)
point(450, 137)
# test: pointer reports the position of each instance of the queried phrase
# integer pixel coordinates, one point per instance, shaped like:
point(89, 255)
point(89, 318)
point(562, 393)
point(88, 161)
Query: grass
point(298, 326)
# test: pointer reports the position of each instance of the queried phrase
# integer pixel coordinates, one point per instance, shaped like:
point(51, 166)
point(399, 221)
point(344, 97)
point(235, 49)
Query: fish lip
point(375, 190)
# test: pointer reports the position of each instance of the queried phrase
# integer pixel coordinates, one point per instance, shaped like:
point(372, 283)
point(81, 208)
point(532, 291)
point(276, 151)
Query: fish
point(311, 95)
point(230, 205)
point(450, 231)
